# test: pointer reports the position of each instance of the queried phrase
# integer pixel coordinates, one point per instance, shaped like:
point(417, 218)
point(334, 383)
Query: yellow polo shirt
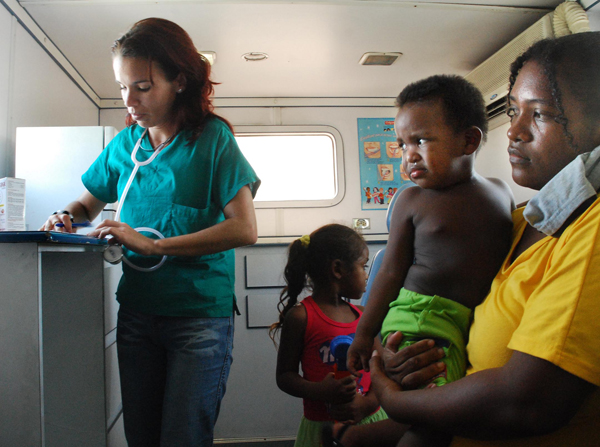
point(547, 304)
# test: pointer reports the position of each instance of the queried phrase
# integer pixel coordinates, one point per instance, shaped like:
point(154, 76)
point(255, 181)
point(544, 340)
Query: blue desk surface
point(49, 236)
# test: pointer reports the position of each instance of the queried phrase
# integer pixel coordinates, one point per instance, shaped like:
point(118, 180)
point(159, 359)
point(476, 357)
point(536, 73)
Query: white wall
point(34, 91)
point(6, 31)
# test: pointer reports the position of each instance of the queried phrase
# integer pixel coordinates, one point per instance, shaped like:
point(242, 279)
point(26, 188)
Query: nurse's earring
point(180, 90)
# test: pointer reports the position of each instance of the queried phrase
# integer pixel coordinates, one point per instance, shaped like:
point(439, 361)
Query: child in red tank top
point(333, 260)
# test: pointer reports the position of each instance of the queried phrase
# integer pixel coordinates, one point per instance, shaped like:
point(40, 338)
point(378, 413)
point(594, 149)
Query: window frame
point(304, 130)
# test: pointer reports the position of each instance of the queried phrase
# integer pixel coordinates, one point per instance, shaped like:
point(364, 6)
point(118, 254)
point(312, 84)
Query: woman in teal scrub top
point(175, 328)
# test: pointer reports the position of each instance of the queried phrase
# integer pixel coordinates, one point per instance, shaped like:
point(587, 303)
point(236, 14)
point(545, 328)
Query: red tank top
point(316, 359)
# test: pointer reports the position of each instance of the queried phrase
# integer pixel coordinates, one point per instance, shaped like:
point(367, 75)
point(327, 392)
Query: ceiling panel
point(313, 47)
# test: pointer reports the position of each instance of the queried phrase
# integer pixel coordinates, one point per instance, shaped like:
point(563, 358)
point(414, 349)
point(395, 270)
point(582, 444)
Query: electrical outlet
point(361, 223)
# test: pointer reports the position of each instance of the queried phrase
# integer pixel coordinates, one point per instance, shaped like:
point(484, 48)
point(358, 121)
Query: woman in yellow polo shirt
point(534, 345)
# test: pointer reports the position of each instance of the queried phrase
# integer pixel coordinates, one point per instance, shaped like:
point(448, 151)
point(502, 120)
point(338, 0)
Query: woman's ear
point(473, 139)
point(180, 83)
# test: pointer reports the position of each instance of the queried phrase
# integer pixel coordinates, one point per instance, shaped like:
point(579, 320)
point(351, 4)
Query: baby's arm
point(505, 190)
point(361, 406)
point(289, 380)
point(398, 258)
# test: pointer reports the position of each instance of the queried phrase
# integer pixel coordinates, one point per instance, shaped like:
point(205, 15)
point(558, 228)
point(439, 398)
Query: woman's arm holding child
point(289, 380)
point(528, 396)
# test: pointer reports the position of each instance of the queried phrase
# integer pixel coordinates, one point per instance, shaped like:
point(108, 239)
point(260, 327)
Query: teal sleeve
point(99, 179)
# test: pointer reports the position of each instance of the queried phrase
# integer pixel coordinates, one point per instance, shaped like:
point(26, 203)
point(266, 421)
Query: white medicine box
point(12, 204)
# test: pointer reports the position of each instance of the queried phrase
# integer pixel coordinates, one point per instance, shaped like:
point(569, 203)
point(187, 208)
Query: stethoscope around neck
point(112, 252)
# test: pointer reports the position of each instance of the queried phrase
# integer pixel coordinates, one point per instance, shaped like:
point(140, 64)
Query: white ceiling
point(313, 46)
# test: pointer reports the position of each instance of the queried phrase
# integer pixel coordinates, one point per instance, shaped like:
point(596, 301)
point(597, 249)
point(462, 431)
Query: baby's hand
point(359, 354)
point(355, 411)
point(383, 387)
point(338, 391)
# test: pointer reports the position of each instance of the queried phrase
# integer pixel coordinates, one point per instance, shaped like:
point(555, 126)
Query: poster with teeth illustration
point(380, 158)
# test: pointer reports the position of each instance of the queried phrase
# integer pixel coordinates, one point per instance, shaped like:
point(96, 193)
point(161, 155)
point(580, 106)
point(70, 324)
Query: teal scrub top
point(184, 190)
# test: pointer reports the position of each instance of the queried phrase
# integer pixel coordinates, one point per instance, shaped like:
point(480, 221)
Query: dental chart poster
point(380, 158)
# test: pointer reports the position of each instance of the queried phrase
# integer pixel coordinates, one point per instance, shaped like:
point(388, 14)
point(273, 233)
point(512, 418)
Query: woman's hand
point(86, 207)
point(125, 235)
point(337, 391)
point(50, 224)
point(413, 366)
point(359, 354)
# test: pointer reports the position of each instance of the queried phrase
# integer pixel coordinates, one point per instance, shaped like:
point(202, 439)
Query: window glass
point(295, 168)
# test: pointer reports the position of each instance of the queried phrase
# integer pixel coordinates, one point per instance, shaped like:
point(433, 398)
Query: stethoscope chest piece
point(113, 254)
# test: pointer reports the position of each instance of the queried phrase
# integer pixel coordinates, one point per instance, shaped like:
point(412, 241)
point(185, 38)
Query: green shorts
point(309, 432)
point(420, 316)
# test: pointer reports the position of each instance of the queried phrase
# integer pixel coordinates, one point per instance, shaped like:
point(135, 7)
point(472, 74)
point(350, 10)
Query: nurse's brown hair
point(170, 46)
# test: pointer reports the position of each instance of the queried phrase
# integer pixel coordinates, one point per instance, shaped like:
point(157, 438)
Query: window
point(299, 166)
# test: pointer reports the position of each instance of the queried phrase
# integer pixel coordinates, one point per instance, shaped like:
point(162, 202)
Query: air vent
point(379, 58)
point(491, 76)
point(496, 105)
point(496, 108)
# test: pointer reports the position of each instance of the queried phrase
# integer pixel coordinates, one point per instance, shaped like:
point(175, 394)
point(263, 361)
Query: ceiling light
point(379, 58)
point(210, 56)
point(255, 56)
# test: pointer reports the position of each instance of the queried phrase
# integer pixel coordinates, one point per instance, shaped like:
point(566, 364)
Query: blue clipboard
point(50, 236)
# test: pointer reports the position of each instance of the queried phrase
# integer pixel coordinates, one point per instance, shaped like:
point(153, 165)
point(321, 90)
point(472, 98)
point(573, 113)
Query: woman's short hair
point(170, 46)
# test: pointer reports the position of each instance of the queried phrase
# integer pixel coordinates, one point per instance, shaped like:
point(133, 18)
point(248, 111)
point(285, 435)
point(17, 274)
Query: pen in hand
point(87, 223)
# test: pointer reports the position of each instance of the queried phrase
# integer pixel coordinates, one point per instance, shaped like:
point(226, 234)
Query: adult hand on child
point(413, 366)
point(338, 391)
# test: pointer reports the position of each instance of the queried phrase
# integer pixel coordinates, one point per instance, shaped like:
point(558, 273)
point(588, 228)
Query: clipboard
point(50, 236)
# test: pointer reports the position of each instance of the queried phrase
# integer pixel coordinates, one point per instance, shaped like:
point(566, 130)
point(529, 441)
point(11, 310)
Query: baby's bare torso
point(461, 236)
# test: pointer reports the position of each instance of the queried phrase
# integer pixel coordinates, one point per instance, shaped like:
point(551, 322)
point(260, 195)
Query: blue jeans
point(173, 375)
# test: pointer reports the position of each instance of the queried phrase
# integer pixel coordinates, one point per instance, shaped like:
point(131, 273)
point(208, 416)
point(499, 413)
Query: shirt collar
point(549, 209)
